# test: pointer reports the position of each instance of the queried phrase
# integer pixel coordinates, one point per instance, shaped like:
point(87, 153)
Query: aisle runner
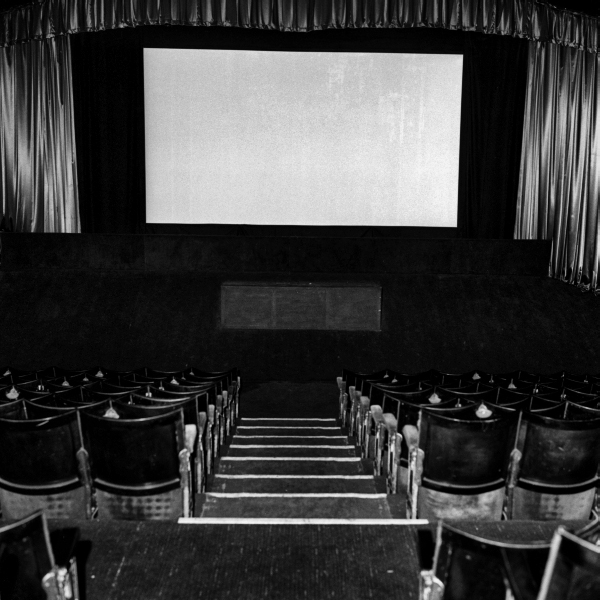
point(292, 471)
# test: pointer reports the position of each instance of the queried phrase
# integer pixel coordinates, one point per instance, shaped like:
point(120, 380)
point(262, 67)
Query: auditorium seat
point(573, 569)
point(468, 566)
point(210, 404)
point(32, 566)
point(13, 410)
point(458, 462)
point(43, 465)
point(554, 466)
point(195, 413)
point(140, 467)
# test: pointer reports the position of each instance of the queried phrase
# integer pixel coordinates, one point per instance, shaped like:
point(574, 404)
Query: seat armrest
point(202, 419)
point(191, 436)
point(411, 436)
point(391, 423)
point(377, 415)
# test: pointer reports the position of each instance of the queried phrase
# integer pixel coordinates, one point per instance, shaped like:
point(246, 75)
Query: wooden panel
point(310, 306)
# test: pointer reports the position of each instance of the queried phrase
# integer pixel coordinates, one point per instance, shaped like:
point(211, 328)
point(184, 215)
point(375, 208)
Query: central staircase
point(292, 469)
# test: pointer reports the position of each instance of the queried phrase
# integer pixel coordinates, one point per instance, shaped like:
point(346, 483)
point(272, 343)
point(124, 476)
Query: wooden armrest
point(191, 434)
point(411, 435)
point(390, 423)
point(202, 419)
point(377, 414)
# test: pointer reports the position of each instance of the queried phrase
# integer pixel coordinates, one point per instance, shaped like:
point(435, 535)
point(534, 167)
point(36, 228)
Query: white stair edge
point(251, 521)
point(292, 495)
point(284, 419)
point(300, 437)
point(292, 446)
point(361, 477)
point(293, 458)
point(286, 427)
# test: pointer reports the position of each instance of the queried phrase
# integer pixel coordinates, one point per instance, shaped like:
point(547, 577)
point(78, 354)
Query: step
point(283, 422)
point(347, 465)
point(281, 484)
point(298, 507)
point(286, 430)
point(274, 440)
point(290, 451)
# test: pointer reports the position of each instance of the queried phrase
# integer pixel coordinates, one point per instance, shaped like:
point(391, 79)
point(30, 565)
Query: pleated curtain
point(38, 174)
point(531, 19)
point(559, 187)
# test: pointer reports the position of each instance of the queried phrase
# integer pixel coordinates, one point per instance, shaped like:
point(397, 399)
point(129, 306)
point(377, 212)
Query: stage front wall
point(124, 301)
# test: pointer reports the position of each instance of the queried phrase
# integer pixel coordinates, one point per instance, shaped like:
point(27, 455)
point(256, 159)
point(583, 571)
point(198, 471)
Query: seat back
point(573, 569)
point(40, 454)
point(135, 456)
point(465, 451)
point(559, 451)
point(470, 566)
point(26, 559)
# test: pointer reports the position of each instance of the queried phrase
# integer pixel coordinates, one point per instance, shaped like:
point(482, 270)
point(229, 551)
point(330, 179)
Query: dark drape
point(108, 91)
point(109, 129)
point(494, 84)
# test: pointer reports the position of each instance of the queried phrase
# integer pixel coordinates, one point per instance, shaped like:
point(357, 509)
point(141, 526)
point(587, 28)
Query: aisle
point(292, 468)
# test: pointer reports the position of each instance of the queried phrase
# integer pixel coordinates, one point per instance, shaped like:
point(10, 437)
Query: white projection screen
point(301, 138)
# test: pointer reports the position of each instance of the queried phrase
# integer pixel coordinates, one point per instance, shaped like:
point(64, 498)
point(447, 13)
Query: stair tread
point(289, 485)
point(290, 467)
point(340, 508)
point(286, 452)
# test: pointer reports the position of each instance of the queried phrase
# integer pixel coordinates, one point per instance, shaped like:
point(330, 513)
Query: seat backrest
point(13, 410)
point(559, 451)
point(470, 566)
point(40, 452)
point(466, 447)
point(143, 406)
point(474, 392)
point(130, 454)
point(25, 558)
point(573, 569)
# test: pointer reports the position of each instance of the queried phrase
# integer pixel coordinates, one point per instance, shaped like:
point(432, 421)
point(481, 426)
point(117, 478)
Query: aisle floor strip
point(290, 458)
point(287, 427)
point(224, 476)
point(294, 495)
point(285, 419)
point(299, 437)
point(266, 521)
point(290, 446)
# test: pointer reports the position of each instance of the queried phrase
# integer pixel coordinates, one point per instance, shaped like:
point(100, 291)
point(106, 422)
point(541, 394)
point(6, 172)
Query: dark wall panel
point(454, 305)
point(303, 305)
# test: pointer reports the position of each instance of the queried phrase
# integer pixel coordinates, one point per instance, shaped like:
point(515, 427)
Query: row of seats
point(464, 565)
point(130, 444)
point(489, 448)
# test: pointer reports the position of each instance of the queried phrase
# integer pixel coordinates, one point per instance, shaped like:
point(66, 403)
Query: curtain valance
point(520, 18)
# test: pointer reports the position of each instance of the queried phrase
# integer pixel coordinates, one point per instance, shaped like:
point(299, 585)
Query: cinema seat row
point(112, 444)
point(463, 564)
point(479, 445)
